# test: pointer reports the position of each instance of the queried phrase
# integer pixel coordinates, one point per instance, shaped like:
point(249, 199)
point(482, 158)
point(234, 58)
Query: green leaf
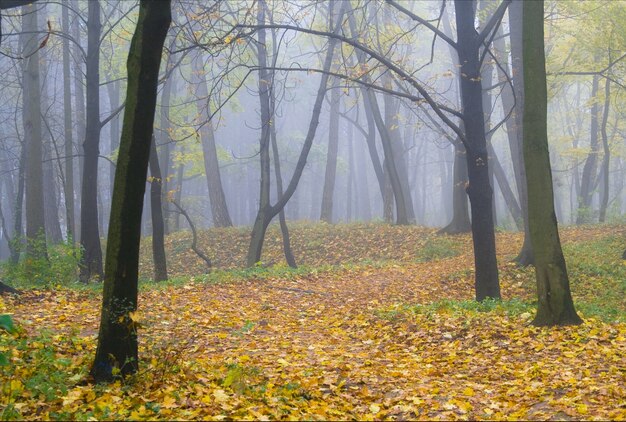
point(3, 359)
point(6, 324)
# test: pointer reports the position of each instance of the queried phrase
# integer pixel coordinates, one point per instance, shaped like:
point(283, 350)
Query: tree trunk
point(591, 163)
point(331, 156)
point(513, 98)
point(117, 338)
point(68, 188)
point(219, 210)
point(604, 199)
point(91, 260)
point(284, 230)
point(18, 232)
point(505, 188)
point(54, 234)
point(392, 110)
point(35, 218)
point(479, 189)
point(266, 211)
point(156, 205)
point(79, 106)
point(460, 214)
point(555, 300)
point(391, 168)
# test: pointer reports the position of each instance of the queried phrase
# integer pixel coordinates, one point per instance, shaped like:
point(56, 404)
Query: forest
point(312, 210)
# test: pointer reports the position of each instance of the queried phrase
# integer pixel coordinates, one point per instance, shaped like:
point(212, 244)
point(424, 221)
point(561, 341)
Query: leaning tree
point(117, 338)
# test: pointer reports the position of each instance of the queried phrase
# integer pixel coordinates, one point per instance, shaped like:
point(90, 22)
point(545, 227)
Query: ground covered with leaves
point(379, 323)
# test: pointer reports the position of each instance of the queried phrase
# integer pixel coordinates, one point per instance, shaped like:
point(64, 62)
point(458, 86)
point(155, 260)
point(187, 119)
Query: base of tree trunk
point(546, 320)
point(525, 256)
point(456, 227)
point(6, 289)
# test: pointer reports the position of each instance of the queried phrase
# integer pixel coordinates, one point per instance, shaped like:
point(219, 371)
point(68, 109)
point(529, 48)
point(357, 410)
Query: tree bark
point(266, 211)
point(68, 188)
point(156, 205)
point(460, 214)
point(606, 159)
point(555, 305)
point(35, 217)
point(91, 260)
point(79, 106)
point(479, 189)
point(331, 155)
point(587, 182)
point(513, 98)
point(117, 338)
point(219, 210)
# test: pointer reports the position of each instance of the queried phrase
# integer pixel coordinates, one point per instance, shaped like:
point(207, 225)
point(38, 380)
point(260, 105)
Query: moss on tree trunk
point(555, 300)
point(117, 339)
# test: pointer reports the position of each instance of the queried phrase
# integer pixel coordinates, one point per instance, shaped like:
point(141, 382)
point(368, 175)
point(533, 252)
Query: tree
point(555, 305)
point(67, 125)
point(219, 209)
point(91, 260)
point(117, 338)
point(267, 211)
point(158, 225)
point(33, 143)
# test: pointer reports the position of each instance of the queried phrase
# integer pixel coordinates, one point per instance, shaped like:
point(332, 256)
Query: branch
point(112, 115)
point(380, 58)
point(364, 83)
point(10, 4)
point(424, 22)
point(493, 21)
point(194, 241)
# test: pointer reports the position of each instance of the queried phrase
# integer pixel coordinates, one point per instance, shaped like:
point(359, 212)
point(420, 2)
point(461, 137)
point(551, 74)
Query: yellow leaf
point(220, 395)
point(582, 408)
point(469, 392)
point(374, 408)
point(169, 402)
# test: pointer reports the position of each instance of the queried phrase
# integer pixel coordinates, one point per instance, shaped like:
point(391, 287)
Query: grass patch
point(598, 277)
point(438, 248)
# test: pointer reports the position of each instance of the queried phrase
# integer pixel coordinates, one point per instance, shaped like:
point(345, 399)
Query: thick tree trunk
point(479, 189)
point(35, 217)
point(555, 300)
point(117, 338)
point(91, 260)
point(156, 205)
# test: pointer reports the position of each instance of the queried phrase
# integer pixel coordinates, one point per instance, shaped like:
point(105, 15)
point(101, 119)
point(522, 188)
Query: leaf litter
point(367, 341)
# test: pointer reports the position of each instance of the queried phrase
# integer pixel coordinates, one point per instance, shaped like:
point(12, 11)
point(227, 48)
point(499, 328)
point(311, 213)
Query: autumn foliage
point(379, 323)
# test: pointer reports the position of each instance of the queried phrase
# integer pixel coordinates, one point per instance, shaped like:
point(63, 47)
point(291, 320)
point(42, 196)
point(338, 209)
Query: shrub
point(60, 267)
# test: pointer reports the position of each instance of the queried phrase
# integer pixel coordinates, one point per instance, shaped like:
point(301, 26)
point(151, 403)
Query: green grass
point(439, 248)
point(598, 277)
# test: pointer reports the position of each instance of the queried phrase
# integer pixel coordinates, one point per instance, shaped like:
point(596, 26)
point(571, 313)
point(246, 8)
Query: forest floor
point(378, 323)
